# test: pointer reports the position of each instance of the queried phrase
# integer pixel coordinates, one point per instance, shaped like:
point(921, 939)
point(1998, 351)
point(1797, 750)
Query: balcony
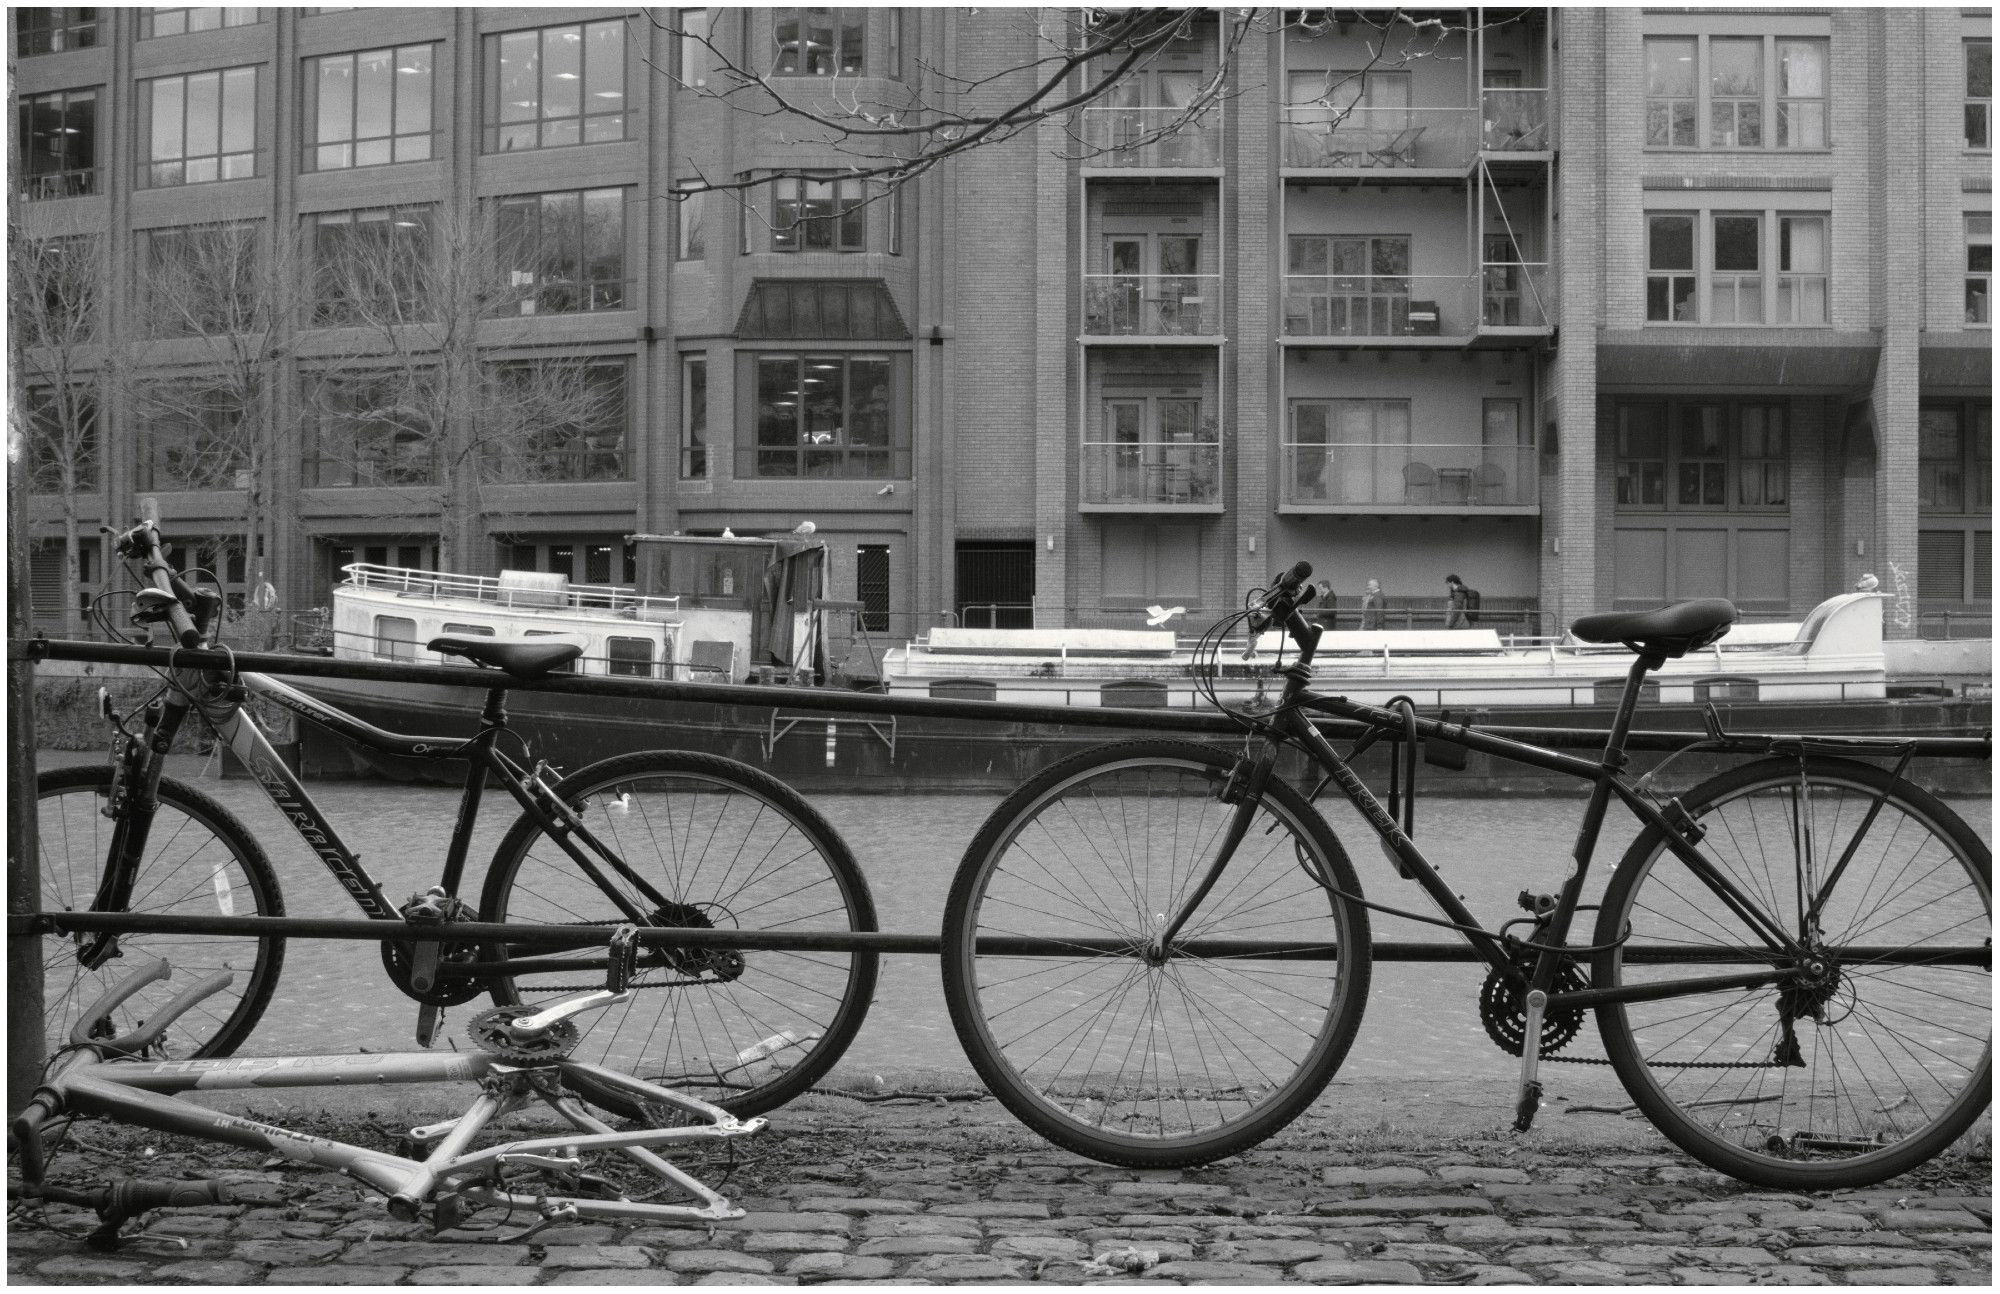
point(79, 183)
point(1156, 139)
point(1514, 121)
point(1157, 476)
point(1497, 480)
point(1152, 305)
point(1419, 309)
point(1414, 141)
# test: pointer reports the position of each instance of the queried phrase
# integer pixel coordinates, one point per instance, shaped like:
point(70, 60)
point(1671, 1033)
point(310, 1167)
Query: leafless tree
point(216, 303)
point(401, 391)
point(56, 298)
point(1081, 59)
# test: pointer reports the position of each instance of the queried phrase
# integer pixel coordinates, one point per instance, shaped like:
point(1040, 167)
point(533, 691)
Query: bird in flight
point(1157, 616)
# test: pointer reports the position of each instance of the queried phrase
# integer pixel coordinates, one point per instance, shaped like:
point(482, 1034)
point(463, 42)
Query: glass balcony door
point(1154, 287)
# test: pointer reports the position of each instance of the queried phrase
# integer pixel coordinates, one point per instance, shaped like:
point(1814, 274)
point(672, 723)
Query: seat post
point(1628, 702)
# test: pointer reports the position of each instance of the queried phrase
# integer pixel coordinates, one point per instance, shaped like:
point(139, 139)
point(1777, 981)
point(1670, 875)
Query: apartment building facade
point(1486, 310)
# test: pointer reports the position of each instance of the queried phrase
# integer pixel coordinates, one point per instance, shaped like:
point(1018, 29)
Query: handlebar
point(188, 611)
point(134, 1043)
point(1288, 592)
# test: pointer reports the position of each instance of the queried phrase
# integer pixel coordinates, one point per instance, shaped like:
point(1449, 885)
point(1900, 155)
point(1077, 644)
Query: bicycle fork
point(1244, 789)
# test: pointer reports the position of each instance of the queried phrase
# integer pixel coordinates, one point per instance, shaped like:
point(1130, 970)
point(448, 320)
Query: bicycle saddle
point(525, 661)
point(1671, 632)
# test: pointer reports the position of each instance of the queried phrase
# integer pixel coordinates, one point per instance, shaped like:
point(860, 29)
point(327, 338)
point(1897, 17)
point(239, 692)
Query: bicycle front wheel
point(1871, 1051)
point(198, 861)
point(1142, 1061)
point(709, 842)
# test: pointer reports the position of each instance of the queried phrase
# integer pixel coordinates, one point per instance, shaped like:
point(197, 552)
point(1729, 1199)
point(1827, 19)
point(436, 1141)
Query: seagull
point(1867, 584)
point(804, 528)
point(727, 533)
point(1157, 616)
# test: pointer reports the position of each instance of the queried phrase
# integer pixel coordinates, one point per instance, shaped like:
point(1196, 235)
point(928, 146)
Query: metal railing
point(433, 586)
point(78, 183)
point(1514, 121)
point(1155, 474)
point(1152, 305)
point(1133, 137)
point(1502, 295)
point(1320, 137)
point(1392, 476)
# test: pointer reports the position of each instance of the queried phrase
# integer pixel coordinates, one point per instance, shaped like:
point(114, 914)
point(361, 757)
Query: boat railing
point(356, 645)
point(437, 586)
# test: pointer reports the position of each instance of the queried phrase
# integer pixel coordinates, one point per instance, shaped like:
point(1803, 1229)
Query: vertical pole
point(24, 955)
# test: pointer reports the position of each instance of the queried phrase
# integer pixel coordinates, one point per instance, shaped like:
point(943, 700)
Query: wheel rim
point(743, 1028)
point(1889, 1048)
point(188, 869)
point(1126, 1049)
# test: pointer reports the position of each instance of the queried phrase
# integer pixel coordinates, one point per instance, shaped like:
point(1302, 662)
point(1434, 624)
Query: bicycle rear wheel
point(1143, 1062)
point(728, 847)
point(1872, 1052)
point(198, 861)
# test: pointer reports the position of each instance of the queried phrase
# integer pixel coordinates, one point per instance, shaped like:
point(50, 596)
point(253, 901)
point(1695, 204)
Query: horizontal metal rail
point(592, 936)
point(829, 701)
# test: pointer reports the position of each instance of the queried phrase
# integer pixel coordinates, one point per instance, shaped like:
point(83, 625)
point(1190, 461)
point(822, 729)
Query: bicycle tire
point(1860, 1098)
point(778, 865)
point(1267, 1033)
point(182, 873)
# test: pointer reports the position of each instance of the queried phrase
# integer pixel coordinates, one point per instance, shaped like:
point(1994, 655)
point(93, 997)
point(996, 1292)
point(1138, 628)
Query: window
point(468, 631)
point(62, 440)
point(200, 280)
point(361, 432)
point(871, 587)
point(895, 17)
point(368, 265)
point(178, 22)
point(629, 657)
point(1670, 295)
point(816, 216)
point(1736, 92)
point(190, 439)
point(555, 87)
point(1348, 286)
point(1153, 450)
point(896, 221)
point(560, 253)
point(694, 416)
point(368, 109)
point(1355, 452)
point(1954, 467)
point(692, 209)
point(1979, 268)
point(1801, 270)
point(51, 31)
point(200, 127)
point(1684, 456)
point(1978, 93)
point(697, 29)
point(828, 415)
point(820, 42)
point(395, 638)
point(58, 134)
point(567, 424)
point(1735, 288)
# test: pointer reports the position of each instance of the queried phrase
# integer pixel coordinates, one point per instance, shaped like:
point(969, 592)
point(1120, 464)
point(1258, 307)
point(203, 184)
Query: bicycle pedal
point(1530, 1104)
point(430, 1023)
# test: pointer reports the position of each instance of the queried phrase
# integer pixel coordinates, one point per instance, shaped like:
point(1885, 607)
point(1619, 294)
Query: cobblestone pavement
point(935, 1195)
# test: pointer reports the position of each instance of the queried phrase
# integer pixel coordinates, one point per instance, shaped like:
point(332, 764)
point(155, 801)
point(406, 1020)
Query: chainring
point(492, 1031)
point(1505, 1014)
point(453, 990)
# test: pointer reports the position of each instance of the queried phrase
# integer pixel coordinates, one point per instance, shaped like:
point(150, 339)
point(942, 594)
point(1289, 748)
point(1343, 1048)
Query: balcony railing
point(1317, 137)
point(1399, 476)
point(1152, 305)
point(1514, 121)
point(1416, 305)
point(78, 183)
point(1152, 475)
point(1133, 137)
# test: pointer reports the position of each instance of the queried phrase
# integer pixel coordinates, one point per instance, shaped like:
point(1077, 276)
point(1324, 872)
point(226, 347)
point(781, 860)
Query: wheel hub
point(725, 964)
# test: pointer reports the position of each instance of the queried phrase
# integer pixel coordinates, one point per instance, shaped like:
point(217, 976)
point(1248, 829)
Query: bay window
point(820, 42)
point(828, 415)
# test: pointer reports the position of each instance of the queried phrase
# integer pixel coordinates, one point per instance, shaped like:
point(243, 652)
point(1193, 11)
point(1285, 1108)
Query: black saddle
point(525, 661)
point(1669, 632)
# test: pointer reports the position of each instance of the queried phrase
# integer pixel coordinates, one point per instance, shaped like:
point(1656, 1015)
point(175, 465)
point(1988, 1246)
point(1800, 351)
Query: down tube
point(246, 740)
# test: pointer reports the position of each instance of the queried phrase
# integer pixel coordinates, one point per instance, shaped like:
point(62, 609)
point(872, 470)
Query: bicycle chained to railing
point(651, 839)
point(437, 1173)
point(1790, 966)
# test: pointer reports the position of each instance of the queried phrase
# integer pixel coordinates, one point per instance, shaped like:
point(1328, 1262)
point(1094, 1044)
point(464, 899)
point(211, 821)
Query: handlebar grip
point(137, 1197)
point(1299, 574)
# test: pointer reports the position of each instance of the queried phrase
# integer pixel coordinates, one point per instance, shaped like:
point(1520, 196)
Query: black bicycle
point(657, 838)
point(1157, 953)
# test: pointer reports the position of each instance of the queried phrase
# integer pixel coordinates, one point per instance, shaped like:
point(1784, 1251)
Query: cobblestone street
point(898, 1194)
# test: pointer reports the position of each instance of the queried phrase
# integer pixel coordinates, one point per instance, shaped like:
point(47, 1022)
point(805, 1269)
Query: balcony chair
point(1489, 482)
point(1419, 482)
point(1399, 151)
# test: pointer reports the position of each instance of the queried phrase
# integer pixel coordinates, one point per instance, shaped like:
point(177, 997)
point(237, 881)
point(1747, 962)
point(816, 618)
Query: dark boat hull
point(850, 754)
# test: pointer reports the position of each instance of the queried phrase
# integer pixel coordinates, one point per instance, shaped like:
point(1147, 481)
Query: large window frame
point(562, 252)
point(1764, 267)
point(384, 112)
point(528, 103)
point(694, 438)
point(1954, 459)
point(400, 235)
point(190, 438)
point(858, 432)
point(1979, 269)
point(1695, 456)
point(52, 31)
point(1732, 93)
point(794, 214)
point(57, 132)
point(213, 270)
point(593, 445)
point(1979, 94)
point(63, 436)
point(344, 447)
point(185, 20)
point(819, 42)
point(183, 145)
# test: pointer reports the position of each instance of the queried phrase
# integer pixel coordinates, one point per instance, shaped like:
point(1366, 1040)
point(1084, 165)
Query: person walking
point(1455, 602)
point(1374, 606)
point(1323, 599)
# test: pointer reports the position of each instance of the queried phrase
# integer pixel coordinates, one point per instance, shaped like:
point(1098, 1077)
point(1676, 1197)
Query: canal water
point(1422, 1019)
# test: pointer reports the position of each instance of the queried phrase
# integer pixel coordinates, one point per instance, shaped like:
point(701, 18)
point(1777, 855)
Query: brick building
point(1594, 308)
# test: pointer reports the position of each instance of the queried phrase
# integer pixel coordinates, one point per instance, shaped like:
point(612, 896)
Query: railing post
point(25, 1023)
